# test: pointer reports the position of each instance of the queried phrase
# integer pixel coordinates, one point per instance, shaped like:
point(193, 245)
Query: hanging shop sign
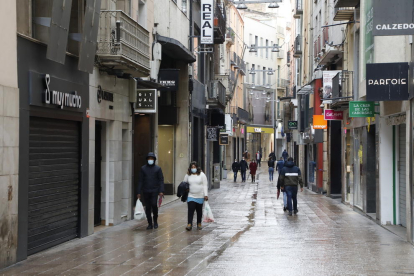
point(224, 139)
point(361, 109)
point(52, 92)
point(207, 16)
point(104, 95)
point(267, 130)
point(319, 122)
point(169, 79)
point(292, 124)
point(212, 134)
point(146, 101)
point(229, 124)
point(393, 17)
point(331, 115)
point(387, 81)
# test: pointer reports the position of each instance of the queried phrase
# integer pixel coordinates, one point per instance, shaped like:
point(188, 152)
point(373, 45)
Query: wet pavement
point(251, 236)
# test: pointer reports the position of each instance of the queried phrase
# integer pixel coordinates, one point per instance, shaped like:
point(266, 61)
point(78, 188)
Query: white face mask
point(193, 170)
point(150, 162)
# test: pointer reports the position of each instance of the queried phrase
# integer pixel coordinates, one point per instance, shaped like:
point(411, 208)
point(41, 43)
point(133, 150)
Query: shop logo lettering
point(61, 98)
point(257, 129)
point(406, 26)
point(387, 81)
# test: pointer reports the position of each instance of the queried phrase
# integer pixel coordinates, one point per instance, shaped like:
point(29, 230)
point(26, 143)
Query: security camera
point(322, 106)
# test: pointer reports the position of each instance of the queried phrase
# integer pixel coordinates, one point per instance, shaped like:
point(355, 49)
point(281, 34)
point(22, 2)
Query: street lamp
point(253, 48)
point(275, 48)
point(241, 5)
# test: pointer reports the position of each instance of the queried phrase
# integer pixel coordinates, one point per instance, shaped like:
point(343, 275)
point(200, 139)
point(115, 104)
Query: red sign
point(333, 115)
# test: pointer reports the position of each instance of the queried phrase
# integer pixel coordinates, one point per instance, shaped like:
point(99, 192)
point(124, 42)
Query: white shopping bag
point(139, 213)
point(207, 214)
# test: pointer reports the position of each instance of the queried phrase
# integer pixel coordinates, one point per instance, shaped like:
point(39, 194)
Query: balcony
point(344, 14)
point(123, 45)
point(243, 116)
point(281, 54)
point(298, 10)
point(219, 24)
point(297, 48)
point(346, 3)
point(283, 83)
point(230, 36)
point(342, 89)
point(280, 31)
point(216, 95)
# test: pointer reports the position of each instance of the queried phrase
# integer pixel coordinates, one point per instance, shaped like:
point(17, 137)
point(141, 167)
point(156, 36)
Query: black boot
point(155, 223)
point(149, 227)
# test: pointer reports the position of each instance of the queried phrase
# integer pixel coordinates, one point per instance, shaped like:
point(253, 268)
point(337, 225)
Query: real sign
point(224, 139)
point(361, 109)
point(387, 81)
point(331, 115)
point(393, 17)
point(207, 22)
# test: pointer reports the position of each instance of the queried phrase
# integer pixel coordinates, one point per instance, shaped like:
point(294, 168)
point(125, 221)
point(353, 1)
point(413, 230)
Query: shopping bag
point(160, 201)
point(207, 214)
point(139, 213)
point(278, 193)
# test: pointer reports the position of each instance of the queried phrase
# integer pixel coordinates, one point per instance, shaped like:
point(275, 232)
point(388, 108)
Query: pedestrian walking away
point(285, 155)
point(243, 169)
point(258, 158)
point(150, 186)
point(272, 155)
point(197, 181)
point(271, 165)
point(235, 167)
point(290, 178)
point(253, 168)
point(280, 164)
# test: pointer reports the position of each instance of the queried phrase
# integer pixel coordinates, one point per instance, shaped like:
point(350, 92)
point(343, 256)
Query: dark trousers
point(150, 200)
point(292, 192)
point(253, 177)
point(258, 162)
point(235, 176)
point(194, 206)
point(243, 175)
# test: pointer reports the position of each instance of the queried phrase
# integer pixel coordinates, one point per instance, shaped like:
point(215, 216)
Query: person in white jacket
point(197, 181)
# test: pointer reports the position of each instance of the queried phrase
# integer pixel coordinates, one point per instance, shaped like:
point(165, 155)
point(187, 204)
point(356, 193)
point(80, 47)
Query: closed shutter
point(401, 175)
point(53, 182)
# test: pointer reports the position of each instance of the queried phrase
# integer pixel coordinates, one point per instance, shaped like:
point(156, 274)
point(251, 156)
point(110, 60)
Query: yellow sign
point(260, 130)
point(319, 122)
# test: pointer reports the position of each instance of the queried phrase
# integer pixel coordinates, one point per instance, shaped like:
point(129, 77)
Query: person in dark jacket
point(285, 155)
point(271, 165)
point(150, 186)
point(235, 167)
point(272, 155)
point(243, 169)
point(253, 168)
point(290, 178)
point(258, 158)
point(280, 164)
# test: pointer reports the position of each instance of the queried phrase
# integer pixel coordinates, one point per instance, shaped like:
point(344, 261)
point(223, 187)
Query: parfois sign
point(207, 32)
point(387, 81)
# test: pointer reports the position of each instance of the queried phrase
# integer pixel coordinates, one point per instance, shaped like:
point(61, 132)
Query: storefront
point(54, 150)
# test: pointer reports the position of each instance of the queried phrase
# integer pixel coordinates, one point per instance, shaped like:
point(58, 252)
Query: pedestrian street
point(251, 236)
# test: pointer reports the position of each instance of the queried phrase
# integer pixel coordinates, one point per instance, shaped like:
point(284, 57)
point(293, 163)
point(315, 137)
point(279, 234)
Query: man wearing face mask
point(243, 168)
point(151, 185)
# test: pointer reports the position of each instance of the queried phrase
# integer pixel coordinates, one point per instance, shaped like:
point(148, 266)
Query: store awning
point(175, 49)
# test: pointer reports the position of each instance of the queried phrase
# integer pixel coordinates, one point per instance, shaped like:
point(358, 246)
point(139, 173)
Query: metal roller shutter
point(401, 175)
point(54, 154)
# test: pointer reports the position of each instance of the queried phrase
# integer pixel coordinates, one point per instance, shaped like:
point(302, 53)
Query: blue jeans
point(243, 174)
point(292, 192)
point(235, 176)
point(284, 199)
point(271, 170)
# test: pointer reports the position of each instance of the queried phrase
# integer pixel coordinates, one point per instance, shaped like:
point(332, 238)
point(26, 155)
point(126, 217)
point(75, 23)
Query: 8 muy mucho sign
point(393, 17)
point(206, 22)
point(361, 109)
point(292, 124)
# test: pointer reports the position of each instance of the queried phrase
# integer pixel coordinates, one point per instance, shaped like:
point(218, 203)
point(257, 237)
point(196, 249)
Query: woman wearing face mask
point(198, 193)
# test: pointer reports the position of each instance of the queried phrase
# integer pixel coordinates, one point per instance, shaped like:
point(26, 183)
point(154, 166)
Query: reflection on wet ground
point(251, 236)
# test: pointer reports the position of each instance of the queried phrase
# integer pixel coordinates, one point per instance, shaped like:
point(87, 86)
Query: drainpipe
point(394, 209)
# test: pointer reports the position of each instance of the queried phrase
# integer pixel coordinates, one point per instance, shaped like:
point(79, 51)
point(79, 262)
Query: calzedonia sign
point(393, 17)
point(387, 81)
point(207, 15)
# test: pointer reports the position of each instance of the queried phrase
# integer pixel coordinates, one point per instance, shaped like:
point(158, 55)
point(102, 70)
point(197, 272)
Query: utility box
point(216, 175)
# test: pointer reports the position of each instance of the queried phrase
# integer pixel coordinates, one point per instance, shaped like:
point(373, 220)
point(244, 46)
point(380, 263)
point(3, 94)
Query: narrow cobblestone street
point(251, 236)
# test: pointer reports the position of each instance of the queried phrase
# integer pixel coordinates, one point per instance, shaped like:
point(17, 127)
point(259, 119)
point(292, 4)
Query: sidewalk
point(251, 236)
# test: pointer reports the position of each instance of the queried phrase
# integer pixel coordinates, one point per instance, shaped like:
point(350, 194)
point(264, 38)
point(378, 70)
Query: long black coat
point(151, 180)
point(235, 167)
point(243, 165)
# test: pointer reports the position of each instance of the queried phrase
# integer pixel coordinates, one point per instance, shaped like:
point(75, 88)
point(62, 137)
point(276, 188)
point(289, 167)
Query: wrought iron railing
point(120, 35)
point(281, 54)
point(217, 91)
point(220, 23)
point(243, 115)
point(230, 35)
point(342, 86)
point(299, 7)
point(298, 46)
point(283, 82)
